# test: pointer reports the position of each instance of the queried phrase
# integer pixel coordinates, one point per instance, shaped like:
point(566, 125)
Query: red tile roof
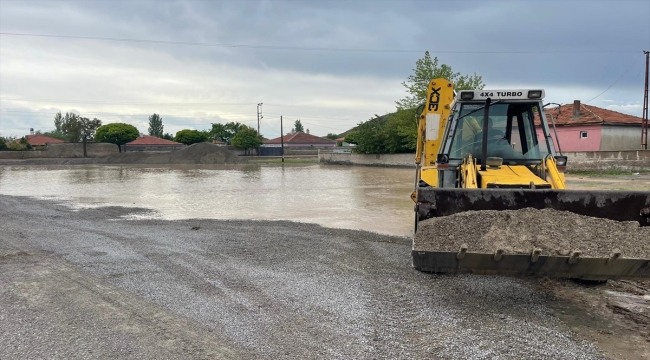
point(152, 140)
point(563, 116)
point(301, 138)
point(41, 140)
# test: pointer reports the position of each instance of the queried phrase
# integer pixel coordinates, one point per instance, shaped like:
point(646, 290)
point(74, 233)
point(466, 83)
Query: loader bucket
point(614, 205)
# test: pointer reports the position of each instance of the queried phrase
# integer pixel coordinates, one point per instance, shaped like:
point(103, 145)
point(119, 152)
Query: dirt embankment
point(201, 153)
point(520, 231)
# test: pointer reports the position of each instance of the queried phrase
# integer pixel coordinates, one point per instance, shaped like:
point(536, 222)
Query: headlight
point(467, 95)
point(534, 94)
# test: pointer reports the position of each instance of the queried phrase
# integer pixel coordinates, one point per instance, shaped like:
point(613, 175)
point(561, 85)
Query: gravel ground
point(256, 289)
point(519, 231)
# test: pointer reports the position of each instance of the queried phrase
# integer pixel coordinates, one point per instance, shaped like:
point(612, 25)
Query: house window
point(583, 134)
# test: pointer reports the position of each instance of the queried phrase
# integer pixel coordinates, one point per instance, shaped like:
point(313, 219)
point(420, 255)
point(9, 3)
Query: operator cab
point(512, 135)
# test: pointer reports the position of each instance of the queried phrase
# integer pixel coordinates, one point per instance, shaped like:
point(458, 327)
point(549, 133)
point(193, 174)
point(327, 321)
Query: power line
point(614, 83)
point(36, 112)
point(126, 114)
point(307, 48)
point(92, 102)
point(319, 118)
point(118, 103)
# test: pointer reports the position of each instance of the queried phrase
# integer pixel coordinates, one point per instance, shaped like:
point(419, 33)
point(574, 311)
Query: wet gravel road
point(249, 289)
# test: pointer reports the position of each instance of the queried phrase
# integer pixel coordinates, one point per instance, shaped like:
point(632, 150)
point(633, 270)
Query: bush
point(3, 144)
point(25, 143)
point(189, 137)
point(16, 146)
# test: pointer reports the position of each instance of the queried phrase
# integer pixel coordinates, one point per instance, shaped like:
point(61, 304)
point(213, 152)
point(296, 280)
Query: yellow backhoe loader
point(493, 150)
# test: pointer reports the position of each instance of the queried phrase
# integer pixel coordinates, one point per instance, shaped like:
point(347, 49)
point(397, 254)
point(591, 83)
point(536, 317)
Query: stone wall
point(65, 150)
point(402, 160)
point(630, 160)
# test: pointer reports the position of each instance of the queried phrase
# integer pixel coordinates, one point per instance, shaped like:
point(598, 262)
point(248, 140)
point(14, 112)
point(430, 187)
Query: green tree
point(206, 135)
point(391, 133)
point(224, 132)
point(155, 125)
point(57, 135)
point(427, 69)
point(71, 127)
point(167, 136)
point(189, 137)
point(331, 136)
point(58, 122)
point(401, 131)
point(370, 136)
point(24, 144)
point(87, 129)
point(351, 137)
point(247, 138)
point(3, 144)
point(297, 126)
point(116, 133)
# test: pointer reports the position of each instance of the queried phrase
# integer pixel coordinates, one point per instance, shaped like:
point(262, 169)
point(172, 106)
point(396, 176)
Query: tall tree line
point(397, 132)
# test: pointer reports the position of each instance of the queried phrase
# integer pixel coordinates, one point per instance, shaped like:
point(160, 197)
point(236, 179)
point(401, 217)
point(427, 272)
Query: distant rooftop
point(41, 140)
point(581, 114)
point(152, 140)
point(301, 138)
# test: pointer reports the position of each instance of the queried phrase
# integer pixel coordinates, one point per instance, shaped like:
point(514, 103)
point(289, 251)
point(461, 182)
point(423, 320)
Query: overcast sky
point(305, 60)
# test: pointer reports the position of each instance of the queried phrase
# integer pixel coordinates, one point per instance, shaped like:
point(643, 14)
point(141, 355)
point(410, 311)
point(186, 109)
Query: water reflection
point(367, 198)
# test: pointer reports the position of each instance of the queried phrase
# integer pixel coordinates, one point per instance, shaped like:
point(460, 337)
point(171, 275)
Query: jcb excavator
point(493, 150)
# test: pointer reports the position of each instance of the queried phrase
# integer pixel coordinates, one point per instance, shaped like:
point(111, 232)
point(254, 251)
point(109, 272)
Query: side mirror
point(561, 163)
point(442, 159)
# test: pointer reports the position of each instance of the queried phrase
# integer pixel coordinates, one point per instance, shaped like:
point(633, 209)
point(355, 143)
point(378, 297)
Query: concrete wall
point(569, 137)
point(368, 159)
point(608, 160)
point(577, 161)
point(65, 150)
point(616, 138)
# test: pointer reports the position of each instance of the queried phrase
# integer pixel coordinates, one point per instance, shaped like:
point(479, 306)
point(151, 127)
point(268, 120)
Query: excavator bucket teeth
point(583, 268)
point(614, 205)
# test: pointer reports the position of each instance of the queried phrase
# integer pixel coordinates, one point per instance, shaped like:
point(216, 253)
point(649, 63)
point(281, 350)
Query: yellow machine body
point(493, 150)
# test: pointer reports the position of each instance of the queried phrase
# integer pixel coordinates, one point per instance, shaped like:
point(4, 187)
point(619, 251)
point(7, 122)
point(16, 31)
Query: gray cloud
point(334, 89)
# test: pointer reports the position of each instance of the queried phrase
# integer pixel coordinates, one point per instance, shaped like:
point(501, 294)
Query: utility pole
point(259, 117)
point(281, 138)
point(644, 127)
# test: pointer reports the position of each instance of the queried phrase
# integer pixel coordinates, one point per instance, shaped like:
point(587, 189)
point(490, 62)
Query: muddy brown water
point(365, 198)
point(351, 197)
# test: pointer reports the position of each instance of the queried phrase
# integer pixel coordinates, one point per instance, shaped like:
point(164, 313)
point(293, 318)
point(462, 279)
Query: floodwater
point(365, 198)
point(351, 197)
